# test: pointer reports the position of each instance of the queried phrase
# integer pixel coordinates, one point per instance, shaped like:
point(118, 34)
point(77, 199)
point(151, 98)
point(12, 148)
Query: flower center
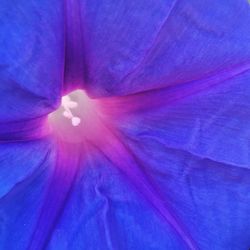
point(77, 117)
point(68, 104)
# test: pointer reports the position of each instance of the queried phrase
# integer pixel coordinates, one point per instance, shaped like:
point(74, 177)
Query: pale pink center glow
point(77, 118)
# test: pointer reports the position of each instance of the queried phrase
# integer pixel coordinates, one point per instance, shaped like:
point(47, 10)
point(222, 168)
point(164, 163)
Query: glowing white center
point(68, 104)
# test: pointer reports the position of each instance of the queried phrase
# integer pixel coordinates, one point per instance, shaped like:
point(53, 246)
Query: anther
point(68, 104)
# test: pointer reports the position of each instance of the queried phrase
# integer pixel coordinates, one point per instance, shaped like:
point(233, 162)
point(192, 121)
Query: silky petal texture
point(172, 163)
point(22, 188)
point(131, 47)
point(32, 58)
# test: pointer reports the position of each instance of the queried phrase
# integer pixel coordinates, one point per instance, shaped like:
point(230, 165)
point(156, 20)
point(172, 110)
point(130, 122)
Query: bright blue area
point(196, 150)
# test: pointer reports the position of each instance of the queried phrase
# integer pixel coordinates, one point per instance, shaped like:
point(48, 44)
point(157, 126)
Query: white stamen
point(75, 121)
point(67, 105)
point(67, 114)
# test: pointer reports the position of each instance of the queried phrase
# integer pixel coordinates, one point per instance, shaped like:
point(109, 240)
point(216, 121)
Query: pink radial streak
point(96, 128)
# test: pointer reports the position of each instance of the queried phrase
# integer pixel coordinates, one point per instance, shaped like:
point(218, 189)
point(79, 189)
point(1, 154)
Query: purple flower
point(149, 148)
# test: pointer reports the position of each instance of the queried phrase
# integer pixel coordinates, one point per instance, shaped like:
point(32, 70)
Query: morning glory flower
point(124, 124)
